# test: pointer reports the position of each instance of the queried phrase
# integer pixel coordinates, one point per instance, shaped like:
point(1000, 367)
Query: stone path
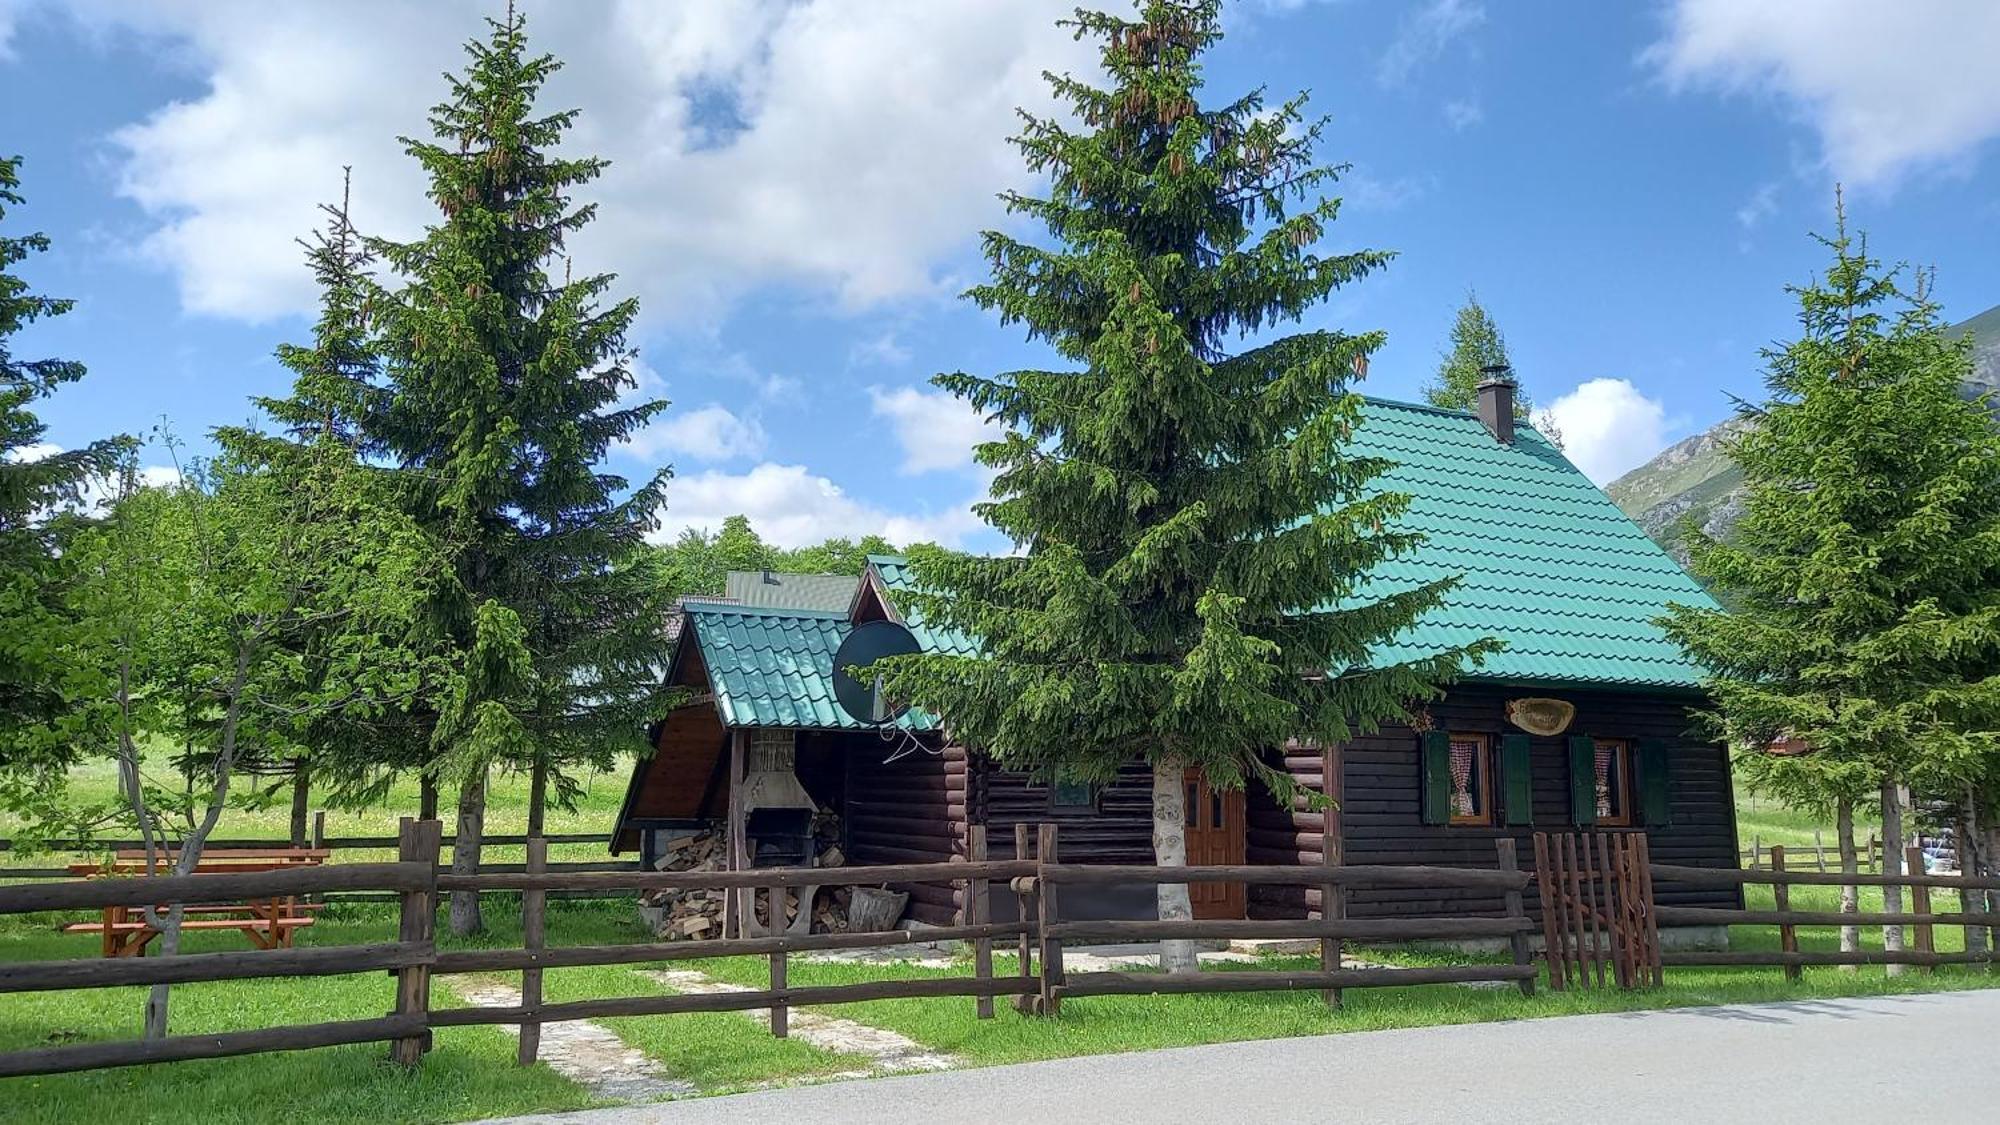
point(886, 1050)
point(588, 1054)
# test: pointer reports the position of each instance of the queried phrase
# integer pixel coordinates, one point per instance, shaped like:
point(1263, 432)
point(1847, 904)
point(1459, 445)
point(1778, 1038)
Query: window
point(1072, 795)
point(1471, 779)
point(1613, 757)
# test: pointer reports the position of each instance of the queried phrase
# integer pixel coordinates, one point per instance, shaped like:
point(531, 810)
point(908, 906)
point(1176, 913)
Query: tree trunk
point(1892, 864)
point(538, 796)
point(1170, 850)
point(301, 802)
point(1850, 863)
point(427, 797)
point(1971, 865)
point(465, 919)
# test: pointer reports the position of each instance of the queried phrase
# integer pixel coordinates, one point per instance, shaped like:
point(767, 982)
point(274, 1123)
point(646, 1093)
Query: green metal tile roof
point(782, 590)
point(774, 667)
point(895, 574)
point(1547, 563)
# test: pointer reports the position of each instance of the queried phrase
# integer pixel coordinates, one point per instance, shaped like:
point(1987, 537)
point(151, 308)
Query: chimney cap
point(1497, 373)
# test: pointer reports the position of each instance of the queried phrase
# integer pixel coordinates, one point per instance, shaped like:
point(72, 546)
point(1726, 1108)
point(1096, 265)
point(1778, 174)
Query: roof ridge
point(741, 610)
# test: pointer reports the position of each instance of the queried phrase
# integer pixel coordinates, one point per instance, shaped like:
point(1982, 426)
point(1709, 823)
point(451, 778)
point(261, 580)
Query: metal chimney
point(1496, 401)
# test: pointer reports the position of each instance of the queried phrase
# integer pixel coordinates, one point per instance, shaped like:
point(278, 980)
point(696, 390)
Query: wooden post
point(1517, 942)
point(1920, 902)
point(781, 1012)
point(416, 842)
point(1781, 896)
point(1653, 958)
point(1550, 891)
point(1756, 851)
point(736, 905)
point(318, 843)
point(1332, 900)
point(1024, 910)
point(1586, 874)
point(977, 913)
point(534, 936)
point(1819, 850)
point(1046, 853)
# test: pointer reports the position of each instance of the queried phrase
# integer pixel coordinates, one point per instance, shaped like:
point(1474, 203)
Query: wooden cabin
point(1547, 564)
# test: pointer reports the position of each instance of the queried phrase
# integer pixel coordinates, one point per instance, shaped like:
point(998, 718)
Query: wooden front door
point(1214, 836)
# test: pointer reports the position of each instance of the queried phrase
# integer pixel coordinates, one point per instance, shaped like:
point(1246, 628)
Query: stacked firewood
point(687, 915)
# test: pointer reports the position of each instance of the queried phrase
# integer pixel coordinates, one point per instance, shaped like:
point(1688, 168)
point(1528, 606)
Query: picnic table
point(269, 923)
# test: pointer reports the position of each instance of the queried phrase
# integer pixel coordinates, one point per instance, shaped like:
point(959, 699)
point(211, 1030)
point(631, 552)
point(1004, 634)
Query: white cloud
point(1424, 34)
point(848, 148)
point(1887, 86)
point(937, 430)
point(712, 433)
point(1762, 204)
point(879, 351)
point(791, 506)
point(1463, 113)
point(1609, 428)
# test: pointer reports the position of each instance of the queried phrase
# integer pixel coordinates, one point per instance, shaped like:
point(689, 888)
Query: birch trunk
point(1850, 863)
point(1892, 864)
point(1170, 850)
point(465, 918)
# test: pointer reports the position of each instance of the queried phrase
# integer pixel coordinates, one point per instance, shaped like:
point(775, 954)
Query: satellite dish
point(864, 646)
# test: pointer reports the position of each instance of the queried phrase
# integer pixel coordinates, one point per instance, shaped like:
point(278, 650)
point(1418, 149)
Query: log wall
point(1382, 822)
point(911, 810)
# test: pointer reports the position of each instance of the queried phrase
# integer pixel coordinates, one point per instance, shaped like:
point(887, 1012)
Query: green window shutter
point(1654, 801)
point(1517, 776)
point(1582, 780)
point(1436, 756)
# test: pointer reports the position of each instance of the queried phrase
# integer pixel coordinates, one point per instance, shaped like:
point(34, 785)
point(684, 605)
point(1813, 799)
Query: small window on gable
point(1613, 761)
point(1072, 795)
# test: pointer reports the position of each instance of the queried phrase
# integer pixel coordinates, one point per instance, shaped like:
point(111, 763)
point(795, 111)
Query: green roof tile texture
point(782, 590)
point(774, 667)
point(1547, 563)
point(895, 575)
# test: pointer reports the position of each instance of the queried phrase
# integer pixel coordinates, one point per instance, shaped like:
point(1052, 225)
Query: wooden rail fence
point(1034, 876)
point(1920, 919)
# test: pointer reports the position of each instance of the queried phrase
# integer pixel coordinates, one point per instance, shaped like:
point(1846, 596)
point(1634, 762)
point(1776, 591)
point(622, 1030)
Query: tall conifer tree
point(36, 486)
point(505, 376)
point(1864, 576)
point(1476, 343)
point(1193, 590)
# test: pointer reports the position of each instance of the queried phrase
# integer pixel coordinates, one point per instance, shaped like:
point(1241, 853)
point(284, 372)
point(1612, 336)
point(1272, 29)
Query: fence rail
point(1034, 878)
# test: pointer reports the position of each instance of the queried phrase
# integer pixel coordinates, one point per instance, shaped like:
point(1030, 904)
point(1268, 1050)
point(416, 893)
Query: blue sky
point(797, 190)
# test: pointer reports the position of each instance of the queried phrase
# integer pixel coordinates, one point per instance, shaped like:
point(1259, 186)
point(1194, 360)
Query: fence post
point(1781, 897)
point(1046, 854)
point(781, 1012)
point(1024, 912)
point(534, 935)
point(978, 912)
point(1819, 851)
point(416, 842)
point(1550, 894)
point(1920, 902)
point(1332, 899)
point(1517, 941)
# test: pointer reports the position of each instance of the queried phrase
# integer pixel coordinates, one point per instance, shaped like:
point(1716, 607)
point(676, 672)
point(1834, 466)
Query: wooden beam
point(178, 1048)
point(242, 964)
point(1353, 875)
point(148, 890)
point(571, 956)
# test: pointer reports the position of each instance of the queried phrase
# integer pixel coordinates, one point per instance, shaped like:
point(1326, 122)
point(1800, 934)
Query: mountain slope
point(1694, 477)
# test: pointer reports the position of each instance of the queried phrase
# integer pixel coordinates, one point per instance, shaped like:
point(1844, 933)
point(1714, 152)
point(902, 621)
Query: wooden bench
point(269, 923)
point(129, 939)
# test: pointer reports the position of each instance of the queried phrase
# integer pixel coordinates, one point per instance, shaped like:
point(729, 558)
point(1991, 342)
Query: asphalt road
point(1926, 1058)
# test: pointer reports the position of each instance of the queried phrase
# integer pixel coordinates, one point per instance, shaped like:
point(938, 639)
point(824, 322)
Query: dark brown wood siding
point(1382, 821)
point(911, 810)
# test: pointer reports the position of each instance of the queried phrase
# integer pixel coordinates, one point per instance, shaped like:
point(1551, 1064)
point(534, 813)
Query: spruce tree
point(505, 374)
point(1864, 576)
point(1476, 344)
point(317, 439)
point(1193, 593)
point(39, 491)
